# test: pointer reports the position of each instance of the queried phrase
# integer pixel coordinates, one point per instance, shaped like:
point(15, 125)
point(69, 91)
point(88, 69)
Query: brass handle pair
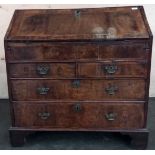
point(109, 116)
point(44, 69)
point(111, 90)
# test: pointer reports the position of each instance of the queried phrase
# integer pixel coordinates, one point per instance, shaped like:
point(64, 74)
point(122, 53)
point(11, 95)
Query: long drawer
point(132, 89)
point(84, 70)
point(67, 51)
point(79, 115)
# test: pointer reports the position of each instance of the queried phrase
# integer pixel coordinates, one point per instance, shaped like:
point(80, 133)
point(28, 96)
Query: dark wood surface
point(84, 70)
point(79, 115)
point(111, 23)
point(86, 90)
point(44, 70)
point(123, 69)
point(79, 68)
point(19, 52)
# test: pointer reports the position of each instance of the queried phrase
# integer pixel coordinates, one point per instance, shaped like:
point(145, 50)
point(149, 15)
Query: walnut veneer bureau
point(79, 70)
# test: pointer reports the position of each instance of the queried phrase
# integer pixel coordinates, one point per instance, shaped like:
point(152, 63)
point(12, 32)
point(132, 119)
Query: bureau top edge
point(86, 24)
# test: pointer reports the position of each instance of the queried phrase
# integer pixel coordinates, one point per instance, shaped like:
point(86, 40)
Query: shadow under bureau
point(79, 70)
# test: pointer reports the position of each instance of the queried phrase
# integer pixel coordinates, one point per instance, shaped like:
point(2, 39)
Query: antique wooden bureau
point(79, 70)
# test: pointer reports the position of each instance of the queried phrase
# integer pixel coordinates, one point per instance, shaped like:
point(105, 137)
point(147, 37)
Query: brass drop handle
point(76, 83)
point(43, 69)
point(111, 116)
point(110, 69)
point(77, 107)
point(111, 90)
point(43, 90)
point(44, 115)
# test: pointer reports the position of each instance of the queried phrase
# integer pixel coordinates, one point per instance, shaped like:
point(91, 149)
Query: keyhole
point(77, 107)
point(76, 84)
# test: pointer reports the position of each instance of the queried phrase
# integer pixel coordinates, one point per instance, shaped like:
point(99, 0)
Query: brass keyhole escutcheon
point(76, 83)
point(77, 107)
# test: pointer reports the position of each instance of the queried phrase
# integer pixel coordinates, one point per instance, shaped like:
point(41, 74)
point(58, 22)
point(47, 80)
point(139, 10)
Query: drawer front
point(39, 70)
point(87, 51)
point(123, 51)
point(79, 115)
point(47, 52)
point(68, 51)
point(78, 89)
point(114, 69)
point(40, 52)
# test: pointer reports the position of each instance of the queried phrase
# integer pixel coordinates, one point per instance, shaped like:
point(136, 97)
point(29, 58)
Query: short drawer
point(40, 52)
point(123, 51)
point(114, 69)
point(51, 52)
point(112, 51)
point(79, 115)
point(39, 70)
point(131, 89)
